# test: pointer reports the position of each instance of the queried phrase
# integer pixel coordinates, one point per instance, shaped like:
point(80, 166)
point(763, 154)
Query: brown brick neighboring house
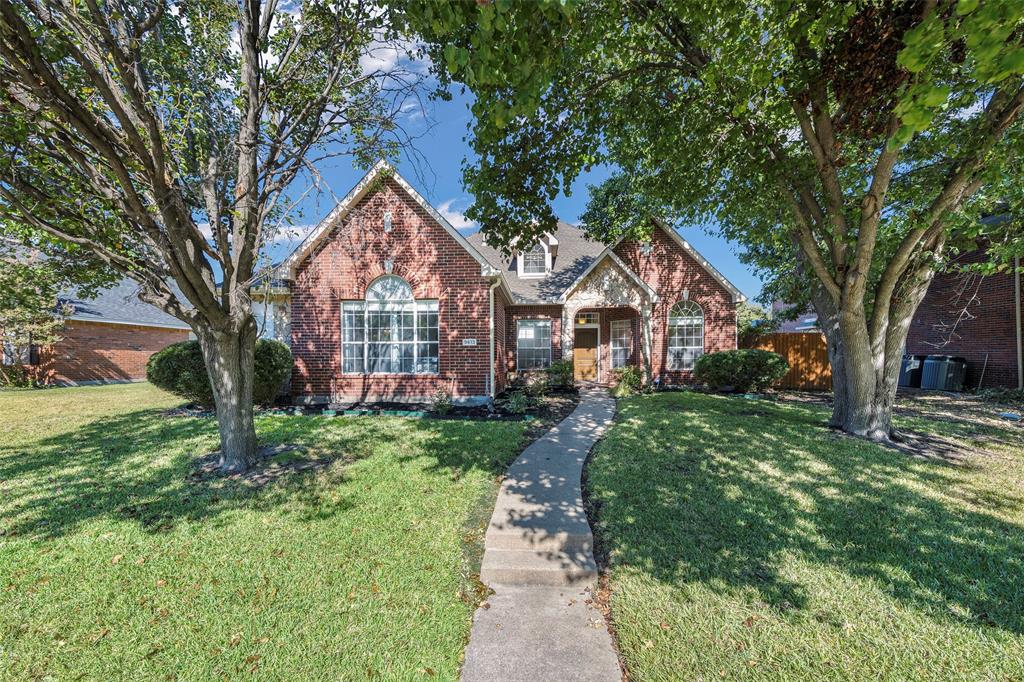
point(107, 339)
point(976, 318)
point(387, 301)
point(969, 316)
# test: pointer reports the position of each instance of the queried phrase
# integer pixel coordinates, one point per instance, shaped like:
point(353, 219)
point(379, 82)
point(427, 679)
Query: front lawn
point(746, 541)
point(118, 561)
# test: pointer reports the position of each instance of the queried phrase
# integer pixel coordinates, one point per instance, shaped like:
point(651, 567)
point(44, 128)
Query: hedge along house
point(388, 301)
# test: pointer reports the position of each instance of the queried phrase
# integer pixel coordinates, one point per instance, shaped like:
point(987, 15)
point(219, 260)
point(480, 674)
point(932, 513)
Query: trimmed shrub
point(518, 402)
point(441, 402)
point(630, 380)
point(535, 384)
point(744, 370)
point(179, 369)
point(560, 374)
point(15, 376)
point(273, 365)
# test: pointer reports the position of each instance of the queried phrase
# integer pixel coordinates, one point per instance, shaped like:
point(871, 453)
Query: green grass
point(115, 563)
point(746, 541)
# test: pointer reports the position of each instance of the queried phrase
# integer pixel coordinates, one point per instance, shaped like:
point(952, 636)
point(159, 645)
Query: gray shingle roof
point(574, 255)
point(119, 303)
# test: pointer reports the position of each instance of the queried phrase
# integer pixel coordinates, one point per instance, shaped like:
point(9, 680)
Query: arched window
point(685, 335)
point(535, 260)
point(389, 288)
point(389, 332)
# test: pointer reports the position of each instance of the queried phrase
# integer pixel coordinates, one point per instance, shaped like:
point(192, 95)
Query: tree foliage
point(31, 311)
point(849, 143)
point(171, 138)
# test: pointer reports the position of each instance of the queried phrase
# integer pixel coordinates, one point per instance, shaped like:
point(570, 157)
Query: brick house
point(976, 318)
point(106, 339)
point(387, 301)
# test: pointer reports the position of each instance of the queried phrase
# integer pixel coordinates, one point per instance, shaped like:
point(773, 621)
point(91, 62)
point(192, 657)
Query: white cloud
point(454, 215)
point(384, 56)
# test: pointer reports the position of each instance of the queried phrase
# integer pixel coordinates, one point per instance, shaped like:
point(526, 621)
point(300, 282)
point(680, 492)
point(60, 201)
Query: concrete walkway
point(538, 558)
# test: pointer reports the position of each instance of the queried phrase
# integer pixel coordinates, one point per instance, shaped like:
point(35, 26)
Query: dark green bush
point(518, 402)
point(629, 380)
point(179, 369)
point(15, 376)
point(744, 370)
point(560, 374)
point(273, 365)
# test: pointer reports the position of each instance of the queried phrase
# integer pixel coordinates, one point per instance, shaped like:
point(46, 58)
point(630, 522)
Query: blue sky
point(442, 127)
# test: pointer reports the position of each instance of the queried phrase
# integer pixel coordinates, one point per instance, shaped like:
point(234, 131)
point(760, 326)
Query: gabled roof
point(737, 295)
point(608, 253)
point(288, 267)
point(576, 253)
point(119, 304)
point(577, 256)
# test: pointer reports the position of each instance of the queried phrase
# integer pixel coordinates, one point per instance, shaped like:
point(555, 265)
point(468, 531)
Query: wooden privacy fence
point(807, 356)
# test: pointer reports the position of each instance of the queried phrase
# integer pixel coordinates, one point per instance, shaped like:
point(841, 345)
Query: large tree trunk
point(866, 367)
point(230, 359)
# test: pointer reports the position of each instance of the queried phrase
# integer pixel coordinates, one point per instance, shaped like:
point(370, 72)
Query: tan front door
point(584, 355)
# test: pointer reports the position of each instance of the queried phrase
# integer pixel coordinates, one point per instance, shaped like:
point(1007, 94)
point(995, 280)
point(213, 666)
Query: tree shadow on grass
point(694, 489)
point(140, 467)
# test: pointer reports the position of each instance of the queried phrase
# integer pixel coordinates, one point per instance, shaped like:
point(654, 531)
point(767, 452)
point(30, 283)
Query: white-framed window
point(622, 342)
point(587, 319)
point(535, 261)
point(533, 344)
point(685, 335)
point(389, 332)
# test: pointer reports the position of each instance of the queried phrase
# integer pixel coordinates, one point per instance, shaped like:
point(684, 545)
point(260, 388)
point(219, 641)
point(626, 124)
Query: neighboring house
point(388, 301)
point(107, 339)
point(976, 318)
point(807, 321)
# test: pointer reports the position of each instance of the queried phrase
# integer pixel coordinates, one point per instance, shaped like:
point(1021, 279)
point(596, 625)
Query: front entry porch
point(604, 340)
point(606, 322)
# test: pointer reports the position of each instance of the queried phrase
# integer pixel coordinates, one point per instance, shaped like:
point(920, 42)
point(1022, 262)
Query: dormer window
point(535, 260)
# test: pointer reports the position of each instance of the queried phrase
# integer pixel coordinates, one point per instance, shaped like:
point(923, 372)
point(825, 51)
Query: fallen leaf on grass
point(235, 639)
point(117, 559)
point(161, 582)
point(100, 635)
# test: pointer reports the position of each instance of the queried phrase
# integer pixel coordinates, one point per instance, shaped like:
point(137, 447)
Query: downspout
point(490, 325)
point(1020, 346)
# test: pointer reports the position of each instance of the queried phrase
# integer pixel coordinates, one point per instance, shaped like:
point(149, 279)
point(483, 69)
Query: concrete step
point(533, 567)
point(578, 540)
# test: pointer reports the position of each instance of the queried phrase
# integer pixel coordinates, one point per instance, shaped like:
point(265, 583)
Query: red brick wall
point(93, 351)
point(989, 328)
point(607, 316)
point(501, 306)
point(349, 259)
point(669, 269)
point(533, 312)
